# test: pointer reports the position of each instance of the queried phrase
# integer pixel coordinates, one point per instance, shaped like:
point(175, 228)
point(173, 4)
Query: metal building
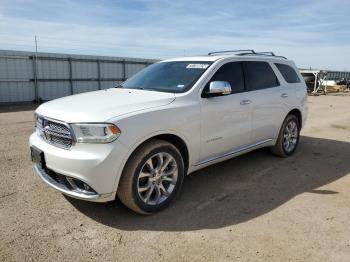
point(26, 77)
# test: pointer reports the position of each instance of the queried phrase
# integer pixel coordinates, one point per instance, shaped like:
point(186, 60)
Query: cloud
point(313, 33)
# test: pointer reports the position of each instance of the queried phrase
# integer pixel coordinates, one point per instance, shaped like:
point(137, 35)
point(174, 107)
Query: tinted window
point(259, 75)
point(174, 77)
point(288, 73)
point(232, 73)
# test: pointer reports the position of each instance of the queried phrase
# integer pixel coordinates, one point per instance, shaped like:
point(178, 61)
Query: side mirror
point(218, 88)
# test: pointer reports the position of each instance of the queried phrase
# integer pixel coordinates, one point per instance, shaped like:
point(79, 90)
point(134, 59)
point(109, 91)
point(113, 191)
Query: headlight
point(95, 133)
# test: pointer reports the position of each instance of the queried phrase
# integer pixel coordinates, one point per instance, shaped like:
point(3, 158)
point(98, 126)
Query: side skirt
point(231, 154)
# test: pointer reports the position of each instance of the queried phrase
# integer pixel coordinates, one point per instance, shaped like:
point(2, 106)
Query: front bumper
point(97, 165)
point(65, 190)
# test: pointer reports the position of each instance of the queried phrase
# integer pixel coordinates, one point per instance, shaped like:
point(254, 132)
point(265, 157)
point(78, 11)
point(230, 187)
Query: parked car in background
point(139, 140)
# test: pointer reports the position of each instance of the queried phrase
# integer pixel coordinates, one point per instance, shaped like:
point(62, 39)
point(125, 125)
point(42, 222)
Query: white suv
point(139, 140)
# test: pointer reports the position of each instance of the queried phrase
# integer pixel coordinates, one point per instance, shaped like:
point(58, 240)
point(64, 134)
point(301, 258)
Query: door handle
point(245, 102)
point(284, 95)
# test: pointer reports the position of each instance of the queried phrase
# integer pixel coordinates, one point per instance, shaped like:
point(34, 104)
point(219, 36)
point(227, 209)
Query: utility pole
point(35, 65)
point(36, 46)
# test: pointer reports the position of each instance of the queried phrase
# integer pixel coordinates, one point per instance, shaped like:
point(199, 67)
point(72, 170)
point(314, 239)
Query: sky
point(312, 33)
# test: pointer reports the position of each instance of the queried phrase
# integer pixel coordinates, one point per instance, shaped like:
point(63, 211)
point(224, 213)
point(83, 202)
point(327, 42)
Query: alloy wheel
point(157, 178)
point(290, 136)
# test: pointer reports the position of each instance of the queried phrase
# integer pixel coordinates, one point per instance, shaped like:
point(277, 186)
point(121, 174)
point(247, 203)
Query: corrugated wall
point(24, 77)
point(338, 75)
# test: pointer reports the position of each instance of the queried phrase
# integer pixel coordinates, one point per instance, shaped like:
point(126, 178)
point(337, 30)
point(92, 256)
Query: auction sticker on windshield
point(198, 66)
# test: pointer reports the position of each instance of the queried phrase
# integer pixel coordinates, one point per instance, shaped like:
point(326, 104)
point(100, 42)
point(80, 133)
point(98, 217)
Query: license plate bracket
point(37, 157)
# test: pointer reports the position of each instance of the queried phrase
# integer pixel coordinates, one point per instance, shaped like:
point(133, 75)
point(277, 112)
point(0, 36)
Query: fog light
point(86, 187)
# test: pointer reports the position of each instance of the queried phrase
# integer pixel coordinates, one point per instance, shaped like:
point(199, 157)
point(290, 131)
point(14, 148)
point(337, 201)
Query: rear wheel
point(152, 177)
point(288, 137)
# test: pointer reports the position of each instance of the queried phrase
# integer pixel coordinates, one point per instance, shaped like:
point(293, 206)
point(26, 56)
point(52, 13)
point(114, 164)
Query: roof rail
point(232, 51)
point(263, 53)
point(267, 53)
point(247, 52)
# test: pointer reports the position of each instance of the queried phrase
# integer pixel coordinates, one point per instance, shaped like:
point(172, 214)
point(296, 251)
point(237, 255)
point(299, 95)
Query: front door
point(226, 120)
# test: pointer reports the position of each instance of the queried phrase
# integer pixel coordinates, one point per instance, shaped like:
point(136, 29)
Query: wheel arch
point(298, 114)
point(175, 139)
point(178, 142)
point(278, 149)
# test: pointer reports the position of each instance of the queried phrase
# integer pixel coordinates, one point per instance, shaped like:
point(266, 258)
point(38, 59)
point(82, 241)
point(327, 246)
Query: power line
point(88, 45)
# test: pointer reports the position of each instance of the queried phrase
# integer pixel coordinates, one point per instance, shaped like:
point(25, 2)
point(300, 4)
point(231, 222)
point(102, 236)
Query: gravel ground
point(252, 208)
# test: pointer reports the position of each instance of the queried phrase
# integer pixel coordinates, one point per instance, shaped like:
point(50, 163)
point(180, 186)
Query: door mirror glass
point(217, 88)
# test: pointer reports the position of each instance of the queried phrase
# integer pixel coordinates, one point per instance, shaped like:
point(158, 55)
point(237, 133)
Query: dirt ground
point(252, 208)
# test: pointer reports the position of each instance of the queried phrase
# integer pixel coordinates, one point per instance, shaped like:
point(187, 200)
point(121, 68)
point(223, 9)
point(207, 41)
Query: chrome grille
point(54, 132)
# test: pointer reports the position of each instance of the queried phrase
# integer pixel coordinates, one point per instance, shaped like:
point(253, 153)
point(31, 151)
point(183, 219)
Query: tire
point(281, 148)
point(146, 171)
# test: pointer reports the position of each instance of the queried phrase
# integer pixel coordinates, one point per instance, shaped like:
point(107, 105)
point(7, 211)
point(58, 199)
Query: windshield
point(172, 77)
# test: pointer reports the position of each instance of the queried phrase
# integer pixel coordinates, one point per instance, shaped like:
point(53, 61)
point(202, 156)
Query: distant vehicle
point(139, 140)
point(330, 83)
point(344, 81)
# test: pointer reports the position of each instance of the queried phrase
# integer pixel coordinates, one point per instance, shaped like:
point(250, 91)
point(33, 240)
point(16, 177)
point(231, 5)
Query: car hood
point(102, 105)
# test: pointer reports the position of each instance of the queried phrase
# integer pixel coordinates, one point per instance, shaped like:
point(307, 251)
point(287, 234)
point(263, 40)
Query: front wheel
point(288, 137)
point(152, 177)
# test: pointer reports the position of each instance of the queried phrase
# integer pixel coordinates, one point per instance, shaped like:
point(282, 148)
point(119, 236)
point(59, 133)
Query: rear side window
point(288, 73)
point(259, 75)
point(232, 73)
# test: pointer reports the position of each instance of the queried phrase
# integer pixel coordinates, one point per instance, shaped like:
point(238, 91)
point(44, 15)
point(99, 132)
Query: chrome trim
point(219, 87)
point(55, 120)
point(55, 133)
point(236, 151)
point(63, 189)
point(60, 133)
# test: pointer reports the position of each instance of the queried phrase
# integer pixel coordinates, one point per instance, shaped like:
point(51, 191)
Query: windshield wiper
point(142, 88)
point(131, 87)
point(136, 87)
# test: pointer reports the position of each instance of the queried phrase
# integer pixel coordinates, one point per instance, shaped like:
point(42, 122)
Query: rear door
point(265, 92)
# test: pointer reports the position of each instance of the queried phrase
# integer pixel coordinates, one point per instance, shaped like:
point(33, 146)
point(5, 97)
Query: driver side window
point(232, 73)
